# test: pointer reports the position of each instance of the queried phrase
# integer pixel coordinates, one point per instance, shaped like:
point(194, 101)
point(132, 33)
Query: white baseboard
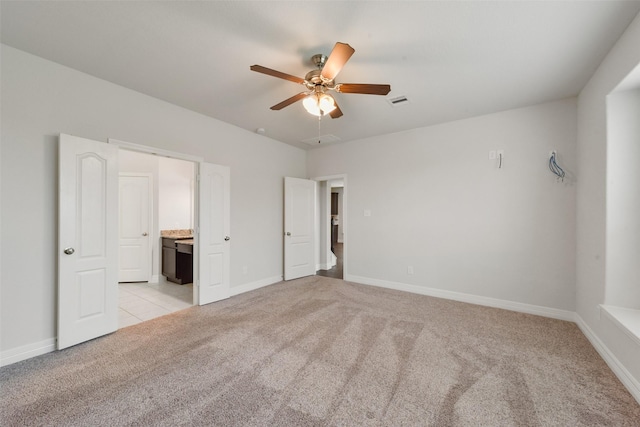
point(632, 384)
point(553, 313)
point(236, 290)
point(28, 351)
point(155, 278)
point(323, 267)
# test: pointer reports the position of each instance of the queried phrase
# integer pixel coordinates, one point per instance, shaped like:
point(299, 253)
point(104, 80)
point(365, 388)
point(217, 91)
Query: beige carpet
point(320, 351)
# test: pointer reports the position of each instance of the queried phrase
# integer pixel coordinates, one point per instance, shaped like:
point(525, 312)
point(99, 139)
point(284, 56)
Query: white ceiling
point(452, 60)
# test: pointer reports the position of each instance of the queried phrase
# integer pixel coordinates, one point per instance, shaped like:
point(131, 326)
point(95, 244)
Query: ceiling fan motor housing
point(314, 78)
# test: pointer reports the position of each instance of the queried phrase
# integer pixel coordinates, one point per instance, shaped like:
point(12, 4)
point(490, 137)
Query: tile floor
point(146, 301)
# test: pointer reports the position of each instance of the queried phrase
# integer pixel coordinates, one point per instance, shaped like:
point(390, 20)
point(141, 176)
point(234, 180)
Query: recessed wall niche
point(623, 194)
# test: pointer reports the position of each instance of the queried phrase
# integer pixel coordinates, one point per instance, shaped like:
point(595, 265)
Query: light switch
point(492, 155)
point(367, 212)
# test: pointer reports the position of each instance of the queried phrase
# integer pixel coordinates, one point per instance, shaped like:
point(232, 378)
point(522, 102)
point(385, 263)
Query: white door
point(299, 235)
point(87, 240)
point(134, 227)
point(214, 237)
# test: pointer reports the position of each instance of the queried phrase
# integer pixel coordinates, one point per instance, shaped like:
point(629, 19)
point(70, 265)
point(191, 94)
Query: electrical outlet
point(245, 269)
point(410, 270)
point(367, 212)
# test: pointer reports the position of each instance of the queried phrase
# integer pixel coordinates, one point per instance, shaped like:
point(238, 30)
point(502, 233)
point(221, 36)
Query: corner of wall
point(620, 353)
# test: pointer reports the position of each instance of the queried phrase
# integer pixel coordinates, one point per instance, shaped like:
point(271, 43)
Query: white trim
point(553, 313)
point(28, 351)
point(323, 267)
point(155, 278)
point(155, 151)
point(252, 286)
point(329, 177)
point(611, 360)
point(626, 319)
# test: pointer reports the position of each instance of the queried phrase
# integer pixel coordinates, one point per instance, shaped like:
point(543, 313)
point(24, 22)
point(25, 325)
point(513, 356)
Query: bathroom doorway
point(171, 201)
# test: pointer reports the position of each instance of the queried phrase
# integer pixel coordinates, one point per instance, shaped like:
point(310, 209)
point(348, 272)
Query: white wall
point(176, 204)
point(323, 208)
point(440, 205)
point(41, 99)
point(591, 204)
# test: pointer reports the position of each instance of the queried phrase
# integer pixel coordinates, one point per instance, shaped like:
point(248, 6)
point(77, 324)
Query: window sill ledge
point(626, 319)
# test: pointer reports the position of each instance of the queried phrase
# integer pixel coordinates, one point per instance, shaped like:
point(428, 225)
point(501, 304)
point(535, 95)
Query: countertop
point(177, 234)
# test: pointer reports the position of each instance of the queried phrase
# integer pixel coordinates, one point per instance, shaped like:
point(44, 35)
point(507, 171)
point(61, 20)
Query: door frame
point(151, 201)
point(344, 218)
point(124, 145)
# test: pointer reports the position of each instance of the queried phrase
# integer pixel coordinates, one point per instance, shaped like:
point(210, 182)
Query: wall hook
point(554, 167)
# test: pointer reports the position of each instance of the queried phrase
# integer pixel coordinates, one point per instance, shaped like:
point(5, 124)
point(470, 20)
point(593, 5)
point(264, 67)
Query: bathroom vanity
point(177, 255)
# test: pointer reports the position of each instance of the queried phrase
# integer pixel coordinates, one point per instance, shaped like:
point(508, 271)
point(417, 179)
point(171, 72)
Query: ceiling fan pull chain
point(319, 119)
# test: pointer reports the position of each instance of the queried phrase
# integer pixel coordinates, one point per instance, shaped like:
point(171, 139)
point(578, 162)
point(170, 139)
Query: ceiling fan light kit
point(319, 104)
point(315, 100)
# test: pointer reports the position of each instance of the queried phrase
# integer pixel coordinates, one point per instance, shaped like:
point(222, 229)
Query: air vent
point(398, 100)
point(324, 139)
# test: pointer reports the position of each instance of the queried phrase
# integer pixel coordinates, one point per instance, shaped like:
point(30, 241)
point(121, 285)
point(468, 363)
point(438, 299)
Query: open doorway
point(156, 223)
point(331, 226)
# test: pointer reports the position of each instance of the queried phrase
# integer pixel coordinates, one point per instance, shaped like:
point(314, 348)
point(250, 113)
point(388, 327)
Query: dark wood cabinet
point(169, 263)
point(184, 261)
point(177, 260)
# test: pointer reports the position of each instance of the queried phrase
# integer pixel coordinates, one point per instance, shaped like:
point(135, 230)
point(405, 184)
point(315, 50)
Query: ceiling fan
point(318, 82)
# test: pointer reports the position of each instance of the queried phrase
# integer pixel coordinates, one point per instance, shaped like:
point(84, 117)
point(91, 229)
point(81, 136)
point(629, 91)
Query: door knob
point(288, 234)
point(145, 234)
point(69, 251)
point(227, 238)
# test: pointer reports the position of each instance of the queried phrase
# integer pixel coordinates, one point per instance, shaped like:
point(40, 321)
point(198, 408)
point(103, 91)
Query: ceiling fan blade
point(339, 56)
point(363, 88)
point(336, 113)
point(278, 74)
point(290, 101)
